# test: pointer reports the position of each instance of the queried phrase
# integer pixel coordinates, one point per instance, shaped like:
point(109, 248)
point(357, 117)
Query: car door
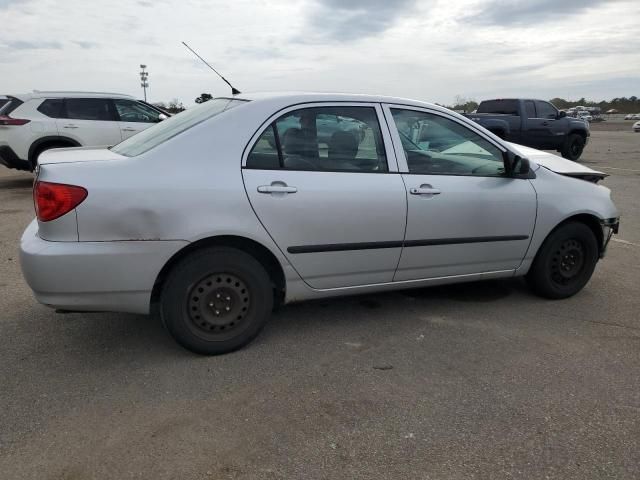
point(334, 204)
point(134, 116)
point(545, 128)
point(89, 121)
point(465, 216)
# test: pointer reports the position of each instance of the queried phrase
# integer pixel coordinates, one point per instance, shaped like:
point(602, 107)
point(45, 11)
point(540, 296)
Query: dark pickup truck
point(533, 123)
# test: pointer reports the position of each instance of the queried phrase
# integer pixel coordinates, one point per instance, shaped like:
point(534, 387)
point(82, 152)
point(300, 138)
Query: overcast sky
point(431, 50)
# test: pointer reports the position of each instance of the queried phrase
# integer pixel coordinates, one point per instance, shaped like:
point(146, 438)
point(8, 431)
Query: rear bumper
point(9, 159)
point(93, 276)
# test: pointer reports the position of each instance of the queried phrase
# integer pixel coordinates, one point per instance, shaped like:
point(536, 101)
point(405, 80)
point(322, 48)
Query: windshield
point(169, 128)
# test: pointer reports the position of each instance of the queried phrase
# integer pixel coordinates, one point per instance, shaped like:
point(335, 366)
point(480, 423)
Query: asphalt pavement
point(473, 381)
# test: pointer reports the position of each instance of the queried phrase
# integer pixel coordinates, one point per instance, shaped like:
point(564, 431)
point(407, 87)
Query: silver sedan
point(216, 215)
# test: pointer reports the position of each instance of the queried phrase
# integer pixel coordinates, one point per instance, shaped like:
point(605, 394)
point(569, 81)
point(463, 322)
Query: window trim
point(399, 150)
point(390, 154)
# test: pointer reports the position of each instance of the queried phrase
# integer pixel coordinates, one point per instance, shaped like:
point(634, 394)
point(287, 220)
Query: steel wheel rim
point(218, 305)
point(567, 262)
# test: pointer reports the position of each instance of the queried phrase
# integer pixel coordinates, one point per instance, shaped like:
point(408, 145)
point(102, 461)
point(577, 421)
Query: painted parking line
point(625, 242)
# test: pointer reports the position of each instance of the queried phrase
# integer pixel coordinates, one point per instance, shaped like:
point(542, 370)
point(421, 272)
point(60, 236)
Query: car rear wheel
point(565, 262)
point(573, 147)
point(216, 300)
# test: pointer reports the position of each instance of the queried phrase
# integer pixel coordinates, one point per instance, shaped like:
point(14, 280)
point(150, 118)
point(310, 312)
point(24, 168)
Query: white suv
point(38, 121)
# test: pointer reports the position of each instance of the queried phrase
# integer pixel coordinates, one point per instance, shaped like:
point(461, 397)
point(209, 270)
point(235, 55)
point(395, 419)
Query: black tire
point(573, 147)
point(216, 300)
point(565, 262)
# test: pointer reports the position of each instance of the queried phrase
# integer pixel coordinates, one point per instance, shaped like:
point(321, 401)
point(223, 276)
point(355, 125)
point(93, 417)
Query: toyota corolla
point(215, 216)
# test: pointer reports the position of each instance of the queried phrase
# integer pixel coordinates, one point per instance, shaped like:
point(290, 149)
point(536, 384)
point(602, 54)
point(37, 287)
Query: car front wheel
point(216, 300)
point(573, 147)
point(565, 262)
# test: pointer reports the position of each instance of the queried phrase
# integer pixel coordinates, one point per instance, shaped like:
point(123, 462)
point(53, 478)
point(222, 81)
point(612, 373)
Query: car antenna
point(234, 90)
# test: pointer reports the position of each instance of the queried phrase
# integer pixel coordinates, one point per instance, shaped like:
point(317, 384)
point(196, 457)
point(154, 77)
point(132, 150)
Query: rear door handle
point(70, 126)
point(277, 187)
point(424, 189)
point(128, 129)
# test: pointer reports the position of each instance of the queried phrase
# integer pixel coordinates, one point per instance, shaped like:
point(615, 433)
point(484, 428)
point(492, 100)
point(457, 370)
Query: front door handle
point(129, 129)
point(424, 189)
point(70, 126)
point(277, 187)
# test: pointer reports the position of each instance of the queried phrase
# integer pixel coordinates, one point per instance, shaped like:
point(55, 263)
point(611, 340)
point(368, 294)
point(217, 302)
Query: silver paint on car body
point(141, 211)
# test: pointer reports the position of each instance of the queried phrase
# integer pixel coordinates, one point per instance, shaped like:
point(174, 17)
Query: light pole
point(144, 80)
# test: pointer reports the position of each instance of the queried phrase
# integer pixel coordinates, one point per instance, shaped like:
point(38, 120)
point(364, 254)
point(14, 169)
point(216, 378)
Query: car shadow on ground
point(16, 183)
point(126, 337)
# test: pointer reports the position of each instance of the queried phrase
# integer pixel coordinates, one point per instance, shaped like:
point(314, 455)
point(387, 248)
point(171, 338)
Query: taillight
point(52, 200)
point(6, 120)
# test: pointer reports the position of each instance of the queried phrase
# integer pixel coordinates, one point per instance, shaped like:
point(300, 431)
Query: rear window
point(504, 107)
point(169, 128)
point(89, 109)
point(10, 105)
point(51, 108)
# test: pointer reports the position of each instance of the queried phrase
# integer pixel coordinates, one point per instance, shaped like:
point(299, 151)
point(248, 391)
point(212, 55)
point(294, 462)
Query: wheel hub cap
point(218, 303)
point(567, 261)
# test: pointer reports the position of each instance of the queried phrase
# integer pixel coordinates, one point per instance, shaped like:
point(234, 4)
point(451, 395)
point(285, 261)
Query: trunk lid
point(77, 155)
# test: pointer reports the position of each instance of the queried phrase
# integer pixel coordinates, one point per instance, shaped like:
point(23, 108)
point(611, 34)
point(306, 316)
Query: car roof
point(70, 94)
point(292, 98)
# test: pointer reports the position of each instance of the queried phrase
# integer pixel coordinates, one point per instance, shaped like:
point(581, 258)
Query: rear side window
point(10, 105)
point(338, 139)
point(89, 109)
point(530, 108)
point(169, 128)
point(51, 108)
point(504, 107)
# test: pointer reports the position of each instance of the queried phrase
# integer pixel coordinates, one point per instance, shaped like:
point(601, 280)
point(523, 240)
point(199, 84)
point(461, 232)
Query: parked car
point(636, 127)
point(534, 123)
point(235, 226)
point(585, 115)
point(35, 122)
point(632, 116)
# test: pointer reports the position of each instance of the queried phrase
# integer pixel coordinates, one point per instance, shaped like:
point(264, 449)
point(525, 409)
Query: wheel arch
point(49, 140)
point(257, 250)
point(589, 219)
point(578, 131)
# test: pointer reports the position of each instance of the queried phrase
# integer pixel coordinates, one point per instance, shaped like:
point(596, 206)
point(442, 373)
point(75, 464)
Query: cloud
point(26, 45)
point(8, 3)
point(527, 12)
point(85, 45)
point(343, 21)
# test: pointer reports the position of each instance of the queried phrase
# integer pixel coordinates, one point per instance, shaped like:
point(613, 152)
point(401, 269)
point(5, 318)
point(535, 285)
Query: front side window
point(322, 139)
point(88, 109)
point(434, 145)
point(546, 110)
point(163, 131)
point(132, 111)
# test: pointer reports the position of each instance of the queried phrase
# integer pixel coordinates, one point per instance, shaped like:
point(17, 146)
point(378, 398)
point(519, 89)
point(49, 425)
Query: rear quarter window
point(51, 108)
point(10, 105)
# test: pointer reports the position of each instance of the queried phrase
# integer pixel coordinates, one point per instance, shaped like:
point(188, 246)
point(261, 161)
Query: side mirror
point(162, 117)
point(562, 114)
point(515, 165)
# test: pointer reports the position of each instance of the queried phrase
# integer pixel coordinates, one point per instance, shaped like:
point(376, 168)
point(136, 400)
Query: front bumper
point(93, 276)
point(9, 159)
point(610, 226)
